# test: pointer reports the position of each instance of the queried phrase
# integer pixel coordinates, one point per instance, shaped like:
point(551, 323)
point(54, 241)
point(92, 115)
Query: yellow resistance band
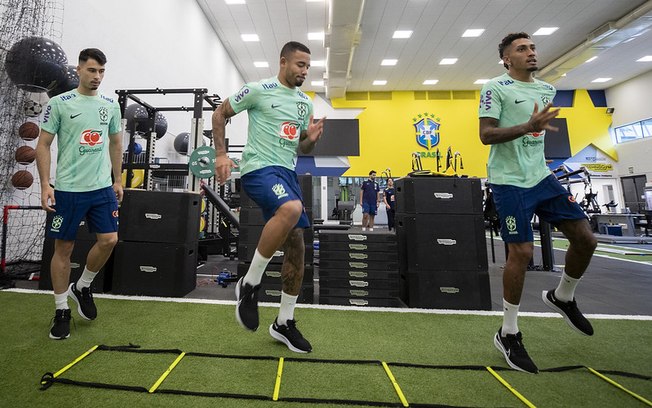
point(615, 384)
point(167, 372)
point(279, 374)
point(510, 388)
point(77, 360)
point(395, 384)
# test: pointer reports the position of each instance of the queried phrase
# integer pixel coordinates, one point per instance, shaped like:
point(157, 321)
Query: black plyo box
point(467, 290)
point(438, 195)
point(158, 216)
point(154, 269)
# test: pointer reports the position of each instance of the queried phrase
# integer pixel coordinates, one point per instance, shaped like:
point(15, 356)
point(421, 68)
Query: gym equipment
point(181, 143)
point(25, 155)
point(36, 64)
point(441, 240)
point(136, 178)
point(22, 179)
point(155, 269)
point(359, 268)
point(29, 131)
point(202, 162)
point(69, 82)
point(137, 114)
point(32, 108)
point(225, 277)
point(159, 217)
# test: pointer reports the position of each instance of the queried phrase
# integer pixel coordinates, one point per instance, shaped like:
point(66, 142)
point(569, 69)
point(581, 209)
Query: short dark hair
point(372, 172)
point(291, 47)
point(93, 53)
point(507, 41)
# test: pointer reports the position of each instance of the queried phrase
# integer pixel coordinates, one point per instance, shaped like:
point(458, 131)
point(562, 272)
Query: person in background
point(389, 198)
point(369, 199)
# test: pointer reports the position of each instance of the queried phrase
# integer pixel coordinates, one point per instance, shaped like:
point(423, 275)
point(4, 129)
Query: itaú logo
point(289, 130)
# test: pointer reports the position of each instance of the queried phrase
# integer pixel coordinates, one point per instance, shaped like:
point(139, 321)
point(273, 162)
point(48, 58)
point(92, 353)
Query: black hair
point(93, 53)
point(291, 47)
point(372, 172)
point(507, 41)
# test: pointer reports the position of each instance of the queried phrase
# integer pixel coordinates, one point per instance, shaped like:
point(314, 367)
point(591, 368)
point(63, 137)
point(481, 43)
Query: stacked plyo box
point(252, 223)
point(442, 244)
point(358, 268)
point(158, 237)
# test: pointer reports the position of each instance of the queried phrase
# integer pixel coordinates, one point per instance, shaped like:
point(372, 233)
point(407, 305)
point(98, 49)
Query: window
point(633, 131)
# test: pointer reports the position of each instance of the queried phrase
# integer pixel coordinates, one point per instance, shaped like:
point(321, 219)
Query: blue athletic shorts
point(271, 187)
point(99, 207)
point(516, 206)
point(369, 208)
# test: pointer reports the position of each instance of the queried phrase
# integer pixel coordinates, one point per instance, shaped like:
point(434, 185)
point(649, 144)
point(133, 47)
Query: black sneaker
point(60, 324)
point(569, 311)
point(291, 336)
point(84, 299)
point(246, 311)
point(514, 351)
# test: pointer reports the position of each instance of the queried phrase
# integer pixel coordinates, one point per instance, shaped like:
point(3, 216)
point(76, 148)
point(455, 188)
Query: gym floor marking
point(48, 379)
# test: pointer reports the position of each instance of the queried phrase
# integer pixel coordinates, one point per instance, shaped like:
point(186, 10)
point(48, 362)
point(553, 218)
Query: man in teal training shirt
point(280, 122)
point(515, 113)
point(89, 148)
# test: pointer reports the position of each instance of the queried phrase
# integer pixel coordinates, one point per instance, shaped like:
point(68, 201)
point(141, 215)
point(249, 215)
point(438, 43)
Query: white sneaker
point(371, 229)
point(364, 228)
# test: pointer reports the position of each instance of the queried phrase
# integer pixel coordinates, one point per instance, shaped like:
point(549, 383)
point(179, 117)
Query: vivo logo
point(241, 94)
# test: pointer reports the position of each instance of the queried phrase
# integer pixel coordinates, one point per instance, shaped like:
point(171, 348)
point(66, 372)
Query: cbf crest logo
point(302, 110)
point(427, 130)
point(104, 114)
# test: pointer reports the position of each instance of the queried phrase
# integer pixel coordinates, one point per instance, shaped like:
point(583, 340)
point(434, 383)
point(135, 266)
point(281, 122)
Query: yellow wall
point(387, 134)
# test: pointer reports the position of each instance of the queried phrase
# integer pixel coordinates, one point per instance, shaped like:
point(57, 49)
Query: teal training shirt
point(82, 125)
point(520, 162)
point(277, 116)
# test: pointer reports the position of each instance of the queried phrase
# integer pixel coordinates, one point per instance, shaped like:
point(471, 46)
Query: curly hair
point(508, 40)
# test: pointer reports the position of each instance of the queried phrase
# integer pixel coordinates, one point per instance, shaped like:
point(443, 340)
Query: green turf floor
point(430, 339)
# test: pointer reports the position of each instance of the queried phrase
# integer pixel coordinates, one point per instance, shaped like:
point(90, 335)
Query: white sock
point(61, 300)
point(256, 269)
point(510, 325)
point(286, 311)
point(85, 279)
point(566, 289)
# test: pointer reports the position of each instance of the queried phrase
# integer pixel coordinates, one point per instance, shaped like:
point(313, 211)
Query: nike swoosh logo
point(517, 101)
point(74, 116)
point(275, 106)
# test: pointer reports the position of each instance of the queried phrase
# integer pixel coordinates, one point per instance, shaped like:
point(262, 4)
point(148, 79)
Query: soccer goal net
point(23, 232)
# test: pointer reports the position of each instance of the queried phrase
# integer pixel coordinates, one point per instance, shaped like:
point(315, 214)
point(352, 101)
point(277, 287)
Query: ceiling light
point(601, 80)
point(318, 63)
point(234, 1)
point(591, 59)
point(481, 81)
point(545, 30)
point(261, 64)
point(316, 36)
point(647, 58)
point(317, 83)
point(389, 62)
point(402, 34)
point(473, 32)
point(430, 81)
point(448, 61)
point(249, 37)
point(379, 82)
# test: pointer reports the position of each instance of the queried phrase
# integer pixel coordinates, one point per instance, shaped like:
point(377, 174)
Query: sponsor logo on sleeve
point(241, 94)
